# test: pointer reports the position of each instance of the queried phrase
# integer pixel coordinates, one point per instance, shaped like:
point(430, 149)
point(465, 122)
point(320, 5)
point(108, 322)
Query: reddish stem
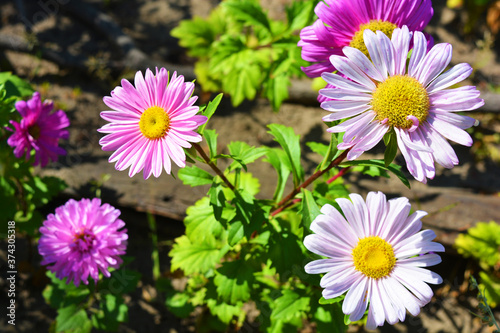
point(309, 180)
point(212, 165)
point(340, 174)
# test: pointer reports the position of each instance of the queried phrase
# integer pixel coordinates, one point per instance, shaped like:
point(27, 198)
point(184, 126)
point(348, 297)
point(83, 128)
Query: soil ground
point(456, 199)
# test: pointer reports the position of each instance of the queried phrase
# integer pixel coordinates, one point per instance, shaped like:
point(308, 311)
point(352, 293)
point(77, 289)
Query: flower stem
point(155, 253)
point(340, 174)
point(309, 180)
point(212, 165)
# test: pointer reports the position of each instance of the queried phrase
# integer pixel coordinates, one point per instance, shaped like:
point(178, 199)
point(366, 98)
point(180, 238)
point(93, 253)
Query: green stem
point(212, 165)
point(154, 254)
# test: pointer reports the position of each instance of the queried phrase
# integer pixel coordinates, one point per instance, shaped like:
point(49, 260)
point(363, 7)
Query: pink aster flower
point(386, 95)
point(81, 239)
point(39, 130)
point(341, 23)
point(151, 123)
point(376, 254)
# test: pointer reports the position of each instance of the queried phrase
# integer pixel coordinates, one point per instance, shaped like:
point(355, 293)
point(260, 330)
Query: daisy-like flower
point(39, 129)
point(81, 239)
point(385, 94)
point(376, 255)
point(151, 123)
point(342, 23)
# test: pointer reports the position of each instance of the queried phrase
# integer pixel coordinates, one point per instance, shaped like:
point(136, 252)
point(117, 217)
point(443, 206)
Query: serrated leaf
point(194, 176)
point(211, 138)
point(395, 169)
point(73, 319)
point(290, 142)
point(234, 280)
point(197, 35)
point(242, 84)
point(244, 154)
point(481, 242)
point(309, 209)
point(196, 257)
point(59, 294)
point(225, 312)
point(121, 281)
point(210, 110)
point(299, 14)
point(278, 159)
point(201, 223)
point(289, 305)
point(249, 12)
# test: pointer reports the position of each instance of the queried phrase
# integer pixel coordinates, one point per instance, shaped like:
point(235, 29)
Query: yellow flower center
point(154, 122)
point(34, 131)
point(374, 257)
point(357, 41)
point(397, 98)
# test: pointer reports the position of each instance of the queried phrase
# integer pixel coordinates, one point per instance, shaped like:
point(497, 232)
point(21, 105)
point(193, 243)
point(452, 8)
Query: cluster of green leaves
point(100, 306)
point(21, 191)
point(241, 51)
point(482, 242)
point(241, 254)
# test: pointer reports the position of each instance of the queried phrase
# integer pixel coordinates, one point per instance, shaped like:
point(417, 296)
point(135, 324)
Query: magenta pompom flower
point(151, 123)
point(384, 94)
point(376, 254)
point(341, 23)
point(82, 238)
point(39, 130)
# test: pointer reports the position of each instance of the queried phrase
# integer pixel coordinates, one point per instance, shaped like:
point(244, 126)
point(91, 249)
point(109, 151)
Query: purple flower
point(384, 94)
point(341, 23)
point(39, 130)
point(81, 239)
point(151, 123)
point(376, 254)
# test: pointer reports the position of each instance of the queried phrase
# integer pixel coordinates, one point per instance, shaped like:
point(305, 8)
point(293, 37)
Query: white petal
point(353, 72)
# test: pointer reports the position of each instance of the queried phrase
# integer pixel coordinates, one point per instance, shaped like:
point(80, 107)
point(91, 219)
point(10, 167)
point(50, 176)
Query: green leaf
point(299, 14)
point(236, 233)
point(392, 148)
point(59, 294)
point(481, 242)
point(225, 312)
point(249, 12)
point(291, 145)
point(242, 83)
point(179, 304)
point(112, 312)
point(491, 287)
point(211, 137)
point(201, 223)
point(194, 176)
point(15, 86)
point(197, 35)
point(73, 319)
point(395, 169)
point(325, 301)
point(196, 257)
point(244, 154)
point(234, 280)
point(329, 318)
point(276, 89)
point(310, 209)
point(318, 147)
point(210, 110)
point(278, 159)
point(289, 305)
